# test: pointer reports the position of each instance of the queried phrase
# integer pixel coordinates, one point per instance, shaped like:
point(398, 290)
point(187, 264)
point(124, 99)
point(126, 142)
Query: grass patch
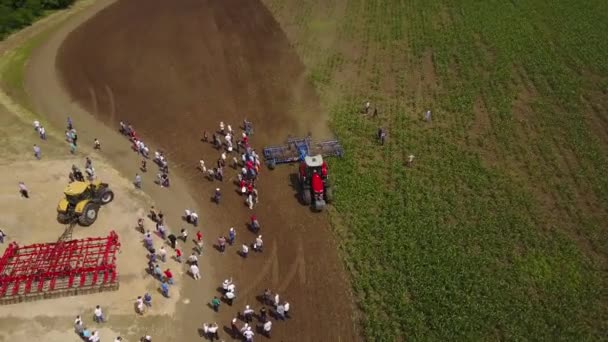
point(12, 68)
point(499, 230)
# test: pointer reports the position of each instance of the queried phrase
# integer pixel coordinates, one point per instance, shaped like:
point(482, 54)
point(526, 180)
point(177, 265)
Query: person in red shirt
point(178, 255)
point(169, 276)
point(199, 242)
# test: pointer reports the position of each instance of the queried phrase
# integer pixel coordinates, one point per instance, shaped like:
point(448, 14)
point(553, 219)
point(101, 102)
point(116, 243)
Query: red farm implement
point(62, 268)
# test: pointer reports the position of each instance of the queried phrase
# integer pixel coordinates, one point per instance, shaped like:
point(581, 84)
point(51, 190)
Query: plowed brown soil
point(176, 68)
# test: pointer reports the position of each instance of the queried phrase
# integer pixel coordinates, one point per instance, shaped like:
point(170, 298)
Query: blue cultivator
point(297, 148)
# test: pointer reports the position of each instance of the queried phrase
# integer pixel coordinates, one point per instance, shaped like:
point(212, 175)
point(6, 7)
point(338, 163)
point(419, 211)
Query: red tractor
point(314, 184)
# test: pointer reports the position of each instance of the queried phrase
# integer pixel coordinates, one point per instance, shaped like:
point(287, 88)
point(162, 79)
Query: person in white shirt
point(202, 166)
point(229, 129)
point(194, 218)
point(140, 305)
point(224, 156)
point(222, 127)
point(244, 250)
point(230, 295)
point(225, 284)
point(162, 253)
point(267, 327)
point(248, 335)
point(193, 259)
point(36, 125)
point(95, 337)
point(98, 317)
point(78, 326)
point(248, 313)
point(195, 272)
point(276, 299)
point(286, 307)
point(231, 288)
point(257, 246)
point(245, 328)
point(212, 329)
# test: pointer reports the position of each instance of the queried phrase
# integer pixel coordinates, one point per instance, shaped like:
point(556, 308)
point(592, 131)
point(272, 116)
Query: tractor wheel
point(89, 214)
point(306, 196)
point(106, 197)
point(329, 195)
point(63, 218)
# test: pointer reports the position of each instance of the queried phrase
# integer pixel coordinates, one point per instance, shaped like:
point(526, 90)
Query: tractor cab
point(311, 165)
point(314, 185)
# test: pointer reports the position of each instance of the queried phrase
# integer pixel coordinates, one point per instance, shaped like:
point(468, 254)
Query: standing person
point(427, 116)
point(23, 190)
point(375, 115)
point(254, 224)
point(267, 327)
point(248, 334)
point(230, 295)
point(248, 314)
point(178, 255)
point(137, 181)
point(140, 225)
point(276, 300)
point(195, 271)
point(286, 307)
point(215, 304)
point(139, 304)
point(36, 125)
point(205, 136)
point(148, 300)
point(98, 315)
point(143, 167)
point(225, 284)
point(281, 312)
point(234, 329)
point(78, 326)
point(222, 128)
point(173, 240)
point(2, 236)
point(72, 147)
point(184, 235)
point(212, 331)
point(257, 246)
point(217, 196)
point(37, 151)
point(221, 242)
point(199, 242)
point(96, 144)
point(263, 314)
point(267, 297)
point(410, 160)
point(194, 219)
point(158, 273)
point(193, 259)
point(168, 276)
point(244, 251)
point(69, 123)
point(42, 133)
point(231, 235)
point(162, 253)
point(164, 288)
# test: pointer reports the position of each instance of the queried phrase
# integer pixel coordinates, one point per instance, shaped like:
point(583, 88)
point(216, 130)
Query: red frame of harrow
point(46, 268)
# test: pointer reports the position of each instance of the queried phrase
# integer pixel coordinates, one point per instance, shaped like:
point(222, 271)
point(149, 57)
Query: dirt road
point(174, 70)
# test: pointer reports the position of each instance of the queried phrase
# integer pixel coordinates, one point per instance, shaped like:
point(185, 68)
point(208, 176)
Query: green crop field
point(499, 231)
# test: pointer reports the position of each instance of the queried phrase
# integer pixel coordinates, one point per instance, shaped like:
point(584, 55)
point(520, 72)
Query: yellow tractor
point(82, 202)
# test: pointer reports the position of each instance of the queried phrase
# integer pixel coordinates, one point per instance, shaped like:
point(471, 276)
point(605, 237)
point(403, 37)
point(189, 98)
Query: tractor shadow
point(294, 183)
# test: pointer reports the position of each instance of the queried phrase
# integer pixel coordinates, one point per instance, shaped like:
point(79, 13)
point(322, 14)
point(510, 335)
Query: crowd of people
point(246, 162)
